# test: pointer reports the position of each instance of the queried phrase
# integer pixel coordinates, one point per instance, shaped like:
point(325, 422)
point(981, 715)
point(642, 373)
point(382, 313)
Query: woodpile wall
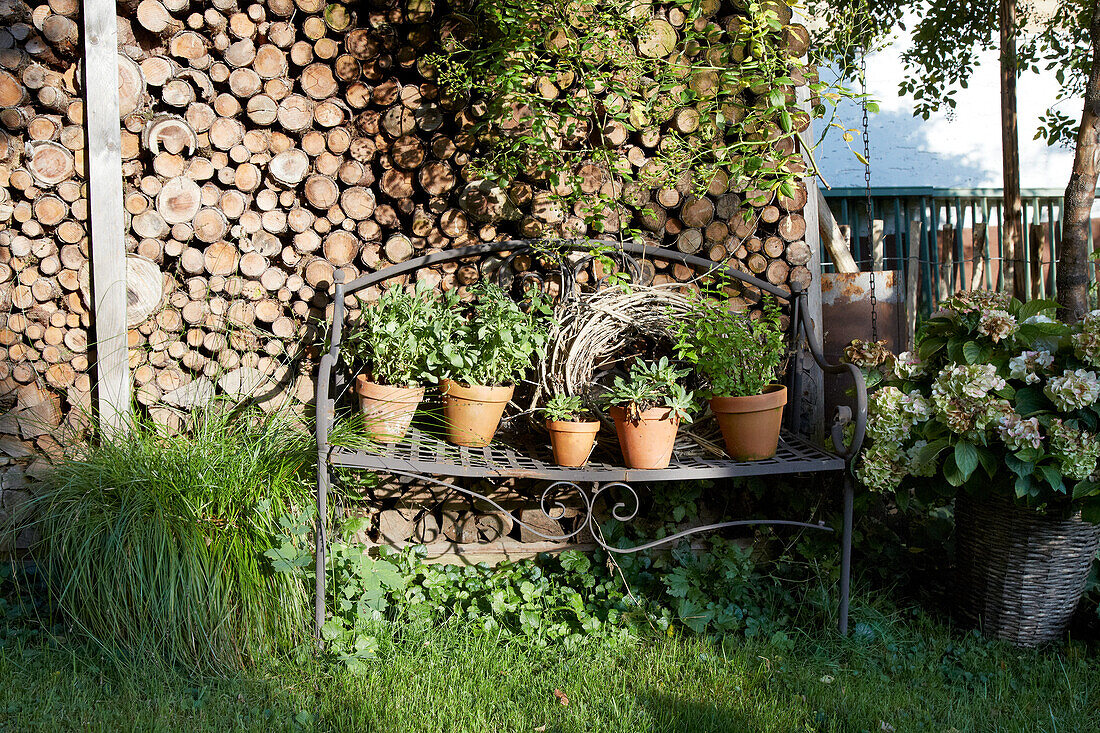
point(266, 145)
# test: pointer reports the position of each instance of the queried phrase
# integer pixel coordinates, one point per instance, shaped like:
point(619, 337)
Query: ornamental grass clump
point(153, 543)
point(998, 398)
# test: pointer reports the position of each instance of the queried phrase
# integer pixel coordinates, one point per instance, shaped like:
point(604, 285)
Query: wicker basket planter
point(1020, 573)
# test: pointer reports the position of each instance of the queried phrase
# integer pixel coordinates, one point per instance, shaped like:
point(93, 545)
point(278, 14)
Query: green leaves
point(1053, 477)
point(966, 459)
point(1034, 308)
point(331, 629)
point(974, 353)
point(737, 356)
point(562, 73)
point(393, 337)
point(564, 408)
point(492, 340)
point(929, 347)
point(1030, 400)
point(650, 385)
point(288, 557)
point(928, 453)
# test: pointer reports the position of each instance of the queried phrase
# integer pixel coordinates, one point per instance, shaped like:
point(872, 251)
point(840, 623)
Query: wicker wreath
point(593, 331)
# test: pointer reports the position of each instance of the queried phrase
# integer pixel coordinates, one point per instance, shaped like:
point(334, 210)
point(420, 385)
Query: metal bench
point(425, 457)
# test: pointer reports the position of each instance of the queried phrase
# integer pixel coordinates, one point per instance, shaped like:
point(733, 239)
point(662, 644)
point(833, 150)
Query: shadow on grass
point(672, 713)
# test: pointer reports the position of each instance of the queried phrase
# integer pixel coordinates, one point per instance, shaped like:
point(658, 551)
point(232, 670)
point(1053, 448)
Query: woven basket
point(1020, 573)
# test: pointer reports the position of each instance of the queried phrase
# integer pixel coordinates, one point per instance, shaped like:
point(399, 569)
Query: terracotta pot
point(387, 411)
point(572, 441)
point(471, 414)
point(648, 442)
point(750, 425)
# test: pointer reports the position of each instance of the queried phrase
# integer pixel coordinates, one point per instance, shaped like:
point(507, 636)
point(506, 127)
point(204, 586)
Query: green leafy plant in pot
point(390, 343)
point(738, 359)
point(572, 429)
point(489, 345)
point(647, 407)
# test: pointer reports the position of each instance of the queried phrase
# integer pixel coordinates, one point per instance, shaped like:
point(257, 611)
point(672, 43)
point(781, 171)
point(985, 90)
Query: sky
point(963, 151)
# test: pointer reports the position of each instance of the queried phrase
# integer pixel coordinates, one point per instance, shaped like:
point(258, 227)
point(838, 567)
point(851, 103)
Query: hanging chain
point(867, 187)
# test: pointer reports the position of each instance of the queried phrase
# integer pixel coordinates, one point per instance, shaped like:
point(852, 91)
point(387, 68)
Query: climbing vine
point(606, 100)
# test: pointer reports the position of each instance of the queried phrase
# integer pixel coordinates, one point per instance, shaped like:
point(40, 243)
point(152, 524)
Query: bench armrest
point(845, 415)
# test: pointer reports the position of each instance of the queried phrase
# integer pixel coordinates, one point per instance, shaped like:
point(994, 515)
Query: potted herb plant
point(996, 411)
point(738, 358)
point(571, 434)
point(389, 344)
point(490, 345)
point(647, 407)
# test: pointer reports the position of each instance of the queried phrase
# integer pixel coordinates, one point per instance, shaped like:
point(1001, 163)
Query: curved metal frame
point(801, 331)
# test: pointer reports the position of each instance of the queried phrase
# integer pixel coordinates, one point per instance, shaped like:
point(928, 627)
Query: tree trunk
point(1012, 241)
point(1073, 257)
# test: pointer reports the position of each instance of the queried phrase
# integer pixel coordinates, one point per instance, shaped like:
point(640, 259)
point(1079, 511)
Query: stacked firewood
point(266, 146)
point(44, 319)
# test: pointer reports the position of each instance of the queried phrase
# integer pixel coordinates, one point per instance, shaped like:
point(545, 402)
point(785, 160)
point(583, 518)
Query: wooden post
point(813, 379)
point(108, 251)
point(878, 245)
point(831, 234)
point(912, 282)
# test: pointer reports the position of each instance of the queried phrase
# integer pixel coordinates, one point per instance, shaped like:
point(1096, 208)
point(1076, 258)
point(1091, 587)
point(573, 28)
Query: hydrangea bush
point(998, 396)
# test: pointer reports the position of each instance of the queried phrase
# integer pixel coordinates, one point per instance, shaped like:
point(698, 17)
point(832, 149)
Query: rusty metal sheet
point(846, 315)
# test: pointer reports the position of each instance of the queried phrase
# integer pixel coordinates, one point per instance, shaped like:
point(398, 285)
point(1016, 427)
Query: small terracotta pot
point(750, 425)
point(572, 441)
point(387, 411)
point(648, 442)
point(471, 414)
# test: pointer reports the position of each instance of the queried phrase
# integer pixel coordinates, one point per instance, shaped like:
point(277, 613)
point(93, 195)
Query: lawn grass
point(903, 673)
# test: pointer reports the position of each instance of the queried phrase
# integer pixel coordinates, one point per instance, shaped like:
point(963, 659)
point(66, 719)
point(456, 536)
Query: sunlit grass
point(908, 674)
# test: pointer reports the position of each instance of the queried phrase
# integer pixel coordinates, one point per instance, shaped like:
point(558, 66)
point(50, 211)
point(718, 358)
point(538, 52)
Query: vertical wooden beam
point(108, 249)
point(813, 379)
point(878, 245)
point(912, 283)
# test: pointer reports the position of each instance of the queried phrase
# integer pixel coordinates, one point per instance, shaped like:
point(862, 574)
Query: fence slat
point(912, 280)
point(944, 264)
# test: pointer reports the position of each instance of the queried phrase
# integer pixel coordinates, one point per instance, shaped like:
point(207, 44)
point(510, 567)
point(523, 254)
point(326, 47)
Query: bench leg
point(323, 478)
point(846, 554)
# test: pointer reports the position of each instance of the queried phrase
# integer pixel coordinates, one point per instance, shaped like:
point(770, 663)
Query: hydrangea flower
point(977, 301)
point(1039, 318)
point(1018, 432)
point(1073, 390)
point(1028, 364)
point(996, 324)
point(916, 406)
point(907, 365)
point(960, 396)
point(866, 354)
point(1077, 450)
point(916, 466)
point(1086, 343)
point(891, 414)
point(882, 467)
